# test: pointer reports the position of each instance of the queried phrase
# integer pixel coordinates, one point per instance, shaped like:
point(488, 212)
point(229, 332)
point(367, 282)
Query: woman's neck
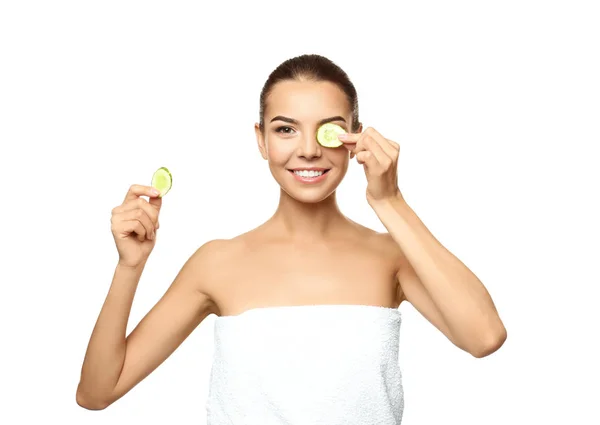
point(307, 221)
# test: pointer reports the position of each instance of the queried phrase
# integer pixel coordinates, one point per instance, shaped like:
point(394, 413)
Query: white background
point(496, 106)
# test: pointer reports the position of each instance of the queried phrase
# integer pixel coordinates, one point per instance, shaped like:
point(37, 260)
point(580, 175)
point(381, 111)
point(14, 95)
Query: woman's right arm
point(114, 363)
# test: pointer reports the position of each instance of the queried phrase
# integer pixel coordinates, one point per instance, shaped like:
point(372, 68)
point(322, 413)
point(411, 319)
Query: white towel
point(307, 365)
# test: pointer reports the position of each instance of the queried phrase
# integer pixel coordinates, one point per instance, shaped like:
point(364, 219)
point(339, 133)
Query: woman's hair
point(311, 68)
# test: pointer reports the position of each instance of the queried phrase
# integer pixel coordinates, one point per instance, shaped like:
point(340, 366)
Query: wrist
point(130, 268)
point(393, 201)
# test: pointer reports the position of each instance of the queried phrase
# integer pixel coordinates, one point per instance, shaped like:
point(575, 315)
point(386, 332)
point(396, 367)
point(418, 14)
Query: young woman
point(307, 321)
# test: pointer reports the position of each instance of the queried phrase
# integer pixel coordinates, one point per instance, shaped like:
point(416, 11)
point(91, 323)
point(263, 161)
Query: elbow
point(90, 403)
point(492, 343)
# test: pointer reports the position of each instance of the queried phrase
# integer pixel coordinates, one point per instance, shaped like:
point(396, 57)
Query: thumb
point(156, 202)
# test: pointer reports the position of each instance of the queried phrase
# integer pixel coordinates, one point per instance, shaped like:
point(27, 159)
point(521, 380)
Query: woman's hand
point(379, 157)
point(134, 224)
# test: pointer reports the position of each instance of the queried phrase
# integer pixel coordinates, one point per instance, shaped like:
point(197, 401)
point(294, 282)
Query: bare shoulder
point(211, 257)
point(381, 243)
point(212, 262)
point(212, 251)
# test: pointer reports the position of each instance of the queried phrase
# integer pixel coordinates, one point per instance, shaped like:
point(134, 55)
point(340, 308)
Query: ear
point(360, 128)
point(260, 139)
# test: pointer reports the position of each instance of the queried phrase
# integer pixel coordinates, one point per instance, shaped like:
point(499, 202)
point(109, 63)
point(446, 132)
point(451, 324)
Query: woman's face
point(294, 111)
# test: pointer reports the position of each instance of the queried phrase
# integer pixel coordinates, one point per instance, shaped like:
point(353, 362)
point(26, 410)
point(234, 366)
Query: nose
point(308, 147)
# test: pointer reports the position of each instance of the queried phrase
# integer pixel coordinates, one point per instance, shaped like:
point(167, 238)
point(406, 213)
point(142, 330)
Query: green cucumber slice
point(327, 135)
point(162, 181)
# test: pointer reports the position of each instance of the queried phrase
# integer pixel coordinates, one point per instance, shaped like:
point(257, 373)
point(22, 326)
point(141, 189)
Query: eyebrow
point(293, 121)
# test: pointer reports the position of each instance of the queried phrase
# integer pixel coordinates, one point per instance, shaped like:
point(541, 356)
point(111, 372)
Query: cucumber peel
point(162, 181)
point(327, 135)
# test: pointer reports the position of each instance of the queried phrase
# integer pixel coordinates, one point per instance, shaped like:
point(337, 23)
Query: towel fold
point(307, 365)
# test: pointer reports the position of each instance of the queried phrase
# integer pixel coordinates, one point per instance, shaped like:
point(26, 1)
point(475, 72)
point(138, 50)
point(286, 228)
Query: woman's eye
point(284, 130)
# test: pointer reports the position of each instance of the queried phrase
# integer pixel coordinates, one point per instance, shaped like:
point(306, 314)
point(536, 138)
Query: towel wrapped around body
point(307, 365)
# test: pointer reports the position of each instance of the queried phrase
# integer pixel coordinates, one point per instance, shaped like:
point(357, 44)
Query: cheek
point(339, 157)
point(279, 152)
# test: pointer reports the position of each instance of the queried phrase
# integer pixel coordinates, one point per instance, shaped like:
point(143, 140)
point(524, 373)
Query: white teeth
point(305, 173)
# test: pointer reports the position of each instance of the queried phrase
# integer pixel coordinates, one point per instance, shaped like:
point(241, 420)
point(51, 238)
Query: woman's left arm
point(431, 278)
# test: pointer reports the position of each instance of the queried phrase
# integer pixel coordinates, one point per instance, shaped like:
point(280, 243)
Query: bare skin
point(308, 252)
point(354, 265)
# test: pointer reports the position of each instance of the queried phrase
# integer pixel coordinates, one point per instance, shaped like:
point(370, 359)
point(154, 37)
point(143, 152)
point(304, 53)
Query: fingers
point(156, 203)
point(136, 216)
point(134, 227)
point(367, 158)
point(349, 141)
point(390, 147)
point(383, 159)
point(368, 152)
point(384, 151)
point(136, 190)
point(136, 221)
point(142, 204)
point(349, 138)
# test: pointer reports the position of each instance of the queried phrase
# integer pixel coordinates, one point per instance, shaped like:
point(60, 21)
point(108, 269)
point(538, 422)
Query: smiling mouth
point(309, 173)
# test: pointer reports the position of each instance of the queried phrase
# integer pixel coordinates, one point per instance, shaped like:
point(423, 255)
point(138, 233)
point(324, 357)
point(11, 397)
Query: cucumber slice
point(327, 135)
point(162, 181)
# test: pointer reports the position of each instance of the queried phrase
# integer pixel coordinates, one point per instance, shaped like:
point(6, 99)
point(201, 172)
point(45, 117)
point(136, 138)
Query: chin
point(308, 196)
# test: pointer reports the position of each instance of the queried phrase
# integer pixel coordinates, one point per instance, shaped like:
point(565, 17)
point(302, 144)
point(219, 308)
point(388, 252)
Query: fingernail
point(154, 192)
point(342, 136)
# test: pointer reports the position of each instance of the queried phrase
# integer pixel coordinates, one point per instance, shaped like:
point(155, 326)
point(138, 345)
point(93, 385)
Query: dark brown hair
point(314, 68)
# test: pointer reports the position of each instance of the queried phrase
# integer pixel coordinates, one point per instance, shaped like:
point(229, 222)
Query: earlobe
point(260, 140)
